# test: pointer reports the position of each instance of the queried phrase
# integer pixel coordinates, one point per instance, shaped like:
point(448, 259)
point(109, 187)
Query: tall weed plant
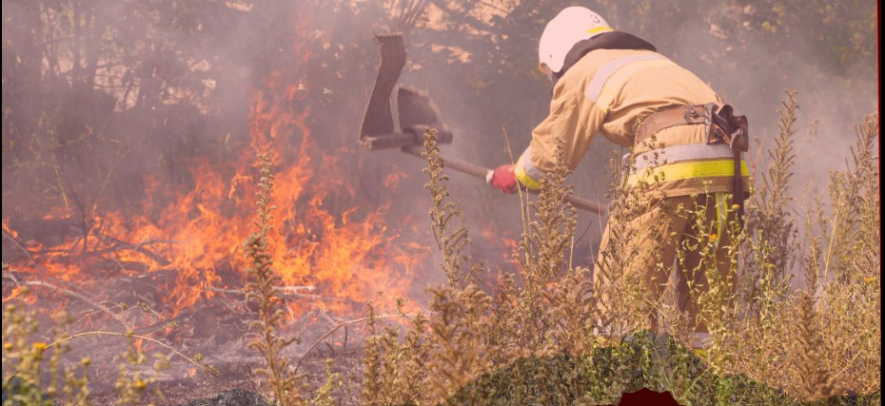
point(795, 318)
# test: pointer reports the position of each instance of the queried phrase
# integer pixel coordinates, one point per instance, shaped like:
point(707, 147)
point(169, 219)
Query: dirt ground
point(201, 389)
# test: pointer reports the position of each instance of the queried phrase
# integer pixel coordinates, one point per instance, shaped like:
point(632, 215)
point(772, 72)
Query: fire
point(12, 295)
point(393, 178)
point(8, 230)
point(319, 239)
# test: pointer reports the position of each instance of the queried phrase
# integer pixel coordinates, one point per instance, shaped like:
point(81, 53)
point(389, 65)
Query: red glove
point(503, 178)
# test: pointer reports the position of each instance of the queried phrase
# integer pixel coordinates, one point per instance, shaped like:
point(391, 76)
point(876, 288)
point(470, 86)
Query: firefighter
point(616, 84)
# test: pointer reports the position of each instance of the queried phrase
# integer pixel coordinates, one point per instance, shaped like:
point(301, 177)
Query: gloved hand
point(503, 178)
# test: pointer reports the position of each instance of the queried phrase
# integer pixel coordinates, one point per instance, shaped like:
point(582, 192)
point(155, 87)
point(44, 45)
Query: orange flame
point(319, 237)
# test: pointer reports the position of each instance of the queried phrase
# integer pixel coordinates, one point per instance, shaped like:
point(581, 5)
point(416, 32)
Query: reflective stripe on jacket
point(610, 91)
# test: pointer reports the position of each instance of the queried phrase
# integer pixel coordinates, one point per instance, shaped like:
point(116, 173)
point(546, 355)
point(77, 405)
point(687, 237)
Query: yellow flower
point(38, 346)
point(870, 279)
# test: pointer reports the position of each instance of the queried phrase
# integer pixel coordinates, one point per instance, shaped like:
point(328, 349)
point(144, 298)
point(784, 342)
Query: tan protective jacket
point(610, 92)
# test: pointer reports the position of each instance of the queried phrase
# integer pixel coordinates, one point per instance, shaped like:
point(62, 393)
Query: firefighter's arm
point(574, 119)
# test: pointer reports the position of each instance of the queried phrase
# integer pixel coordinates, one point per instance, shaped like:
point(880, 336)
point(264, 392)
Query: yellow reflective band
point(596, 30)
point(525, 179)
point(688, 170)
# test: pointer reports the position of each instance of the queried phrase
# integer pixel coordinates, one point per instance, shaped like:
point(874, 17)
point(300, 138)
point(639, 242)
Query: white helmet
point(570, 26)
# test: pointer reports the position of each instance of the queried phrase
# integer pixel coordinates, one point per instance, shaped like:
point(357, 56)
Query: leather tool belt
point(722, 126)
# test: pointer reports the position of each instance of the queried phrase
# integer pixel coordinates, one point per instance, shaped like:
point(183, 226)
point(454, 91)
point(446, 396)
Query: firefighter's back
point(629, 86)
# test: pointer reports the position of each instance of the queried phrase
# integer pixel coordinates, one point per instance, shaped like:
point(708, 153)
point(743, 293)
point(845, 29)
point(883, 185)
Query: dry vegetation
point(37, 376)
point(798, 319)
point(112, 107)
point(799, 311)
point(546, 336)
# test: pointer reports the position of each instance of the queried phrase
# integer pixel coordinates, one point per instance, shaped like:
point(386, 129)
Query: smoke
point(185, 78)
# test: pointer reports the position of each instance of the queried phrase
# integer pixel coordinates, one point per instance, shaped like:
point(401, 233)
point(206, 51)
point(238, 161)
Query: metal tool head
point(415, 110)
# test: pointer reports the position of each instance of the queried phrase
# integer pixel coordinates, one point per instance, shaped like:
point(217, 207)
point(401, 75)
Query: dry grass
point(284, 383)
point(774, 338)
point(36, 376)
point(282, 379)
point(796, 319)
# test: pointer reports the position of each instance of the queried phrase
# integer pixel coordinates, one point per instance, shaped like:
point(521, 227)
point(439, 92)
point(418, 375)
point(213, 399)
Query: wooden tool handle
point(456, 164)
point(481, 172)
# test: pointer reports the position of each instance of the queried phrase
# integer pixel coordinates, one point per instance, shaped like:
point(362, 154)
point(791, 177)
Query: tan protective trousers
point(658, 231)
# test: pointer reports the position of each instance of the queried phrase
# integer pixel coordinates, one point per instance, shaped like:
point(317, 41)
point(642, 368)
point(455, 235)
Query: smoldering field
point(130, 131)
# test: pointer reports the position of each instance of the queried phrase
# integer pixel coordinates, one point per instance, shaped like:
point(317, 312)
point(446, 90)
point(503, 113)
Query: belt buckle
point(712, 137)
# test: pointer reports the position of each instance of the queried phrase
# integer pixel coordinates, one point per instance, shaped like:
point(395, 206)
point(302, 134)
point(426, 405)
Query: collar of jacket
point(608, 40)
